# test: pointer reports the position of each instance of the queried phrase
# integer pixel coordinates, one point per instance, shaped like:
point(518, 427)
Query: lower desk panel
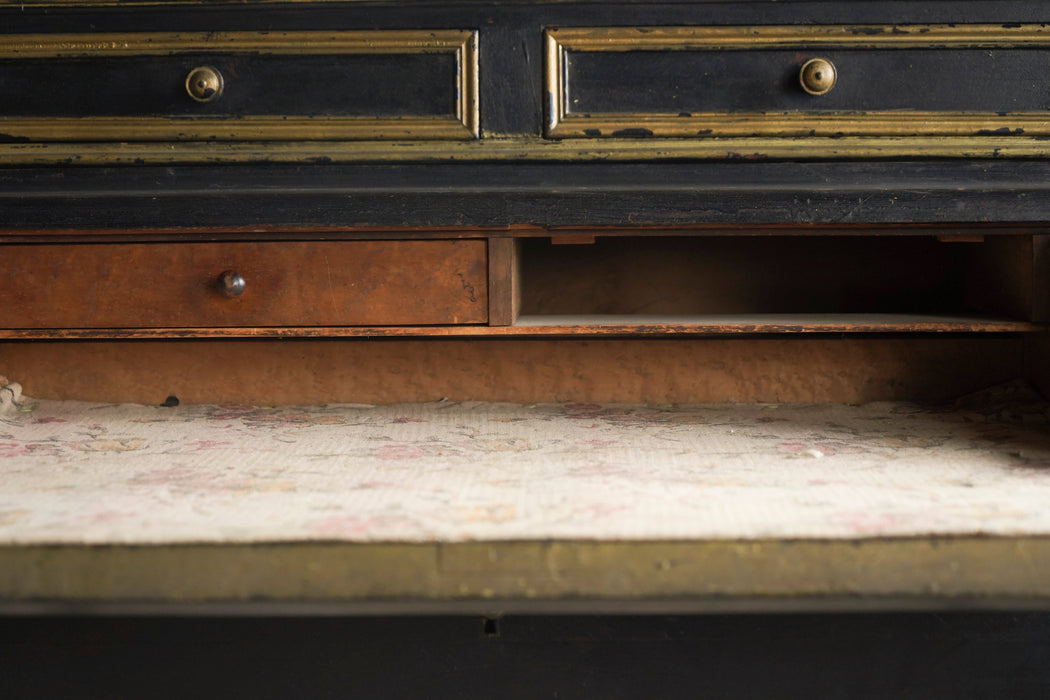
point(391, 370)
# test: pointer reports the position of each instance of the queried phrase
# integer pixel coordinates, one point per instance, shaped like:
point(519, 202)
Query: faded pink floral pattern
point(446, 471)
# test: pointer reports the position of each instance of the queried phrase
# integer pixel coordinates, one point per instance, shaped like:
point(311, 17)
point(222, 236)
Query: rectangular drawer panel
point(403, 84)
point(155, 86)
point(179, 285)
point(1007, 80)
point(747, 82)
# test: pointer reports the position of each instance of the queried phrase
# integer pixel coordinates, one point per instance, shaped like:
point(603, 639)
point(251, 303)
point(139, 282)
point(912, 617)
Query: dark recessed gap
point(777, 275)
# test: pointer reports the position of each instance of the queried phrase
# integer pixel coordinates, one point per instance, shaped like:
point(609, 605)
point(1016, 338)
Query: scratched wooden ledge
point(551, 576)
point(579, 326)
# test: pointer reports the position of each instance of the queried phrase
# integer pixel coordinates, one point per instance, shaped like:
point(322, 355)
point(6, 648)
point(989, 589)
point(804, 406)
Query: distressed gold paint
point(981, 567)
point(521, 149)
point(463, 124)
point(562, 123)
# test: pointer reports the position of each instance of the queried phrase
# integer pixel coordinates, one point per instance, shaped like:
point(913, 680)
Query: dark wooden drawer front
point(764, 81)
point(420, 85)
point(966, 80)
point(179, 285)
point(274, 86)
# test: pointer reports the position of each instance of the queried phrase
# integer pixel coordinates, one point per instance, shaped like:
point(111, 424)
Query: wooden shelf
point(561, 325)
point(718, 324)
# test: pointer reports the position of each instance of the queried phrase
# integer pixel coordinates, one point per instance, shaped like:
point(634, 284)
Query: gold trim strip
point(562, 123)
point(523, 149)
point(467, 106)
point(463, 44)
point(867, 36)
point(743, 124)
point(250, 128)
point(379, 41)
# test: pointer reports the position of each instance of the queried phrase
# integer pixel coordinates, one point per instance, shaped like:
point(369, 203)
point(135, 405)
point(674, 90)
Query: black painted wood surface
point(924, 656)
point(954, 193)
point(871, 80)
point(330, 85)
point(508, 192)
point(510, 33)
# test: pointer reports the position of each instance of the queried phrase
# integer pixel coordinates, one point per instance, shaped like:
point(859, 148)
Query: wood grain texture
point(504, 281)
point(578, 326)
point(271, 372)
point(287, 283)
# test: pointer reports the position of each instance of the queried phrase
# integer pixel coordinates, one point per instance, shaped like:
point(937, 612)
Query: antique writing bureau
point(309, 202)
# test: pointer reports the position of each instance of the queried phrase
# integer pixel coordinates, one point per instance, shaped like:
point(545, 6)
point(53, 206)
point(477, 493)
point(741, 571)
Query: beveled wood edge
point(751, 37)
point(353, 41)
point(742, 125)
point(525, 149)
point(944, 232)
point(498, 607)
point(462, 125)
point(468, 104)
point(964, 570)
point(526, 327)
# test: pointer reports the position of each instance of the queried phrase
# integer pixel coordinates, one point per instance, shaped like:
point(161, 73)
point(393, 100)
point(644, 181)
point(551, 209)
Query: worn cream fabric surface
point(73, 472)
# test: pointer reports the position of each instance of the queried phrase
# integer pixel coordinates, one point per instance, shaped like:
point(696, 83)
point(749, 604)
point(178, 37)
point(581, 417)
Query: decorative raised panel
point(41, 49)
point(942, 132)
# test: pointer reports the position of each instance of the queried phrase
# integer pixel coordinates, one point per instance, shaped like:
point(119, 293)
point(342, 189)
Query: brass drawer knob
point(204, 84)
point(231, 284)
point(817, 76)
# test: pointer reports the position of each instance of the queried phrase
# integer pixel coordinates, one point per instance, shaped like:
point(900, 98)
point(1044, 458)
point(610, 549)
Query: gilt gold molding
point(923, 127)
point(249, 128)
point(522, 149)
point(866, 36)
point(377, 41)
point(462, 44)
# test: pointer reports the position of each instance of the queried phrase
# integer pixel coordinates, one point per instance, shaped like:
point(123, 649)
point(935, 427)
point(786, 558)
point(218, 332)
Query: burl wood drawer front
point(191, 285)
point(309, 85)
point(799, 81)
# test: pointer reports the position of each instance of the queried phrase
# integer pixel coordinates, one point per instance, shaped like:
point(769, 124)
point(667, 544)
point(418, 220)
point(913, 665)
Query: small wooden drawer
point(806, 81)
point(214, 285)
point(238, 86)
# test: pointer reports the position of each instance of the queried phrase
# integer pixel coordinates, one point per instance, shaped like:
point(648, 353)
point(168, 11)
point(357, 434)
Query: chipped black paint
point(634, 132)
point(1004, 131)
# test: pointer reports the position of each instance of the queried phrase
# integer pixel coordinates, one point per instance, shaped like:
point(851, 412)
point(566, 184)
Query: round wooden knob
point(817, 76)
point(204, 84)
point(231, 284)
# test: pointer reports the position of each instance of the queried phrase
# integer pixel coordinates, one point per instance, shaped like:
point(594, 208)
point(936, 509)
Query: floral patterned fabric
point(73, 472)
